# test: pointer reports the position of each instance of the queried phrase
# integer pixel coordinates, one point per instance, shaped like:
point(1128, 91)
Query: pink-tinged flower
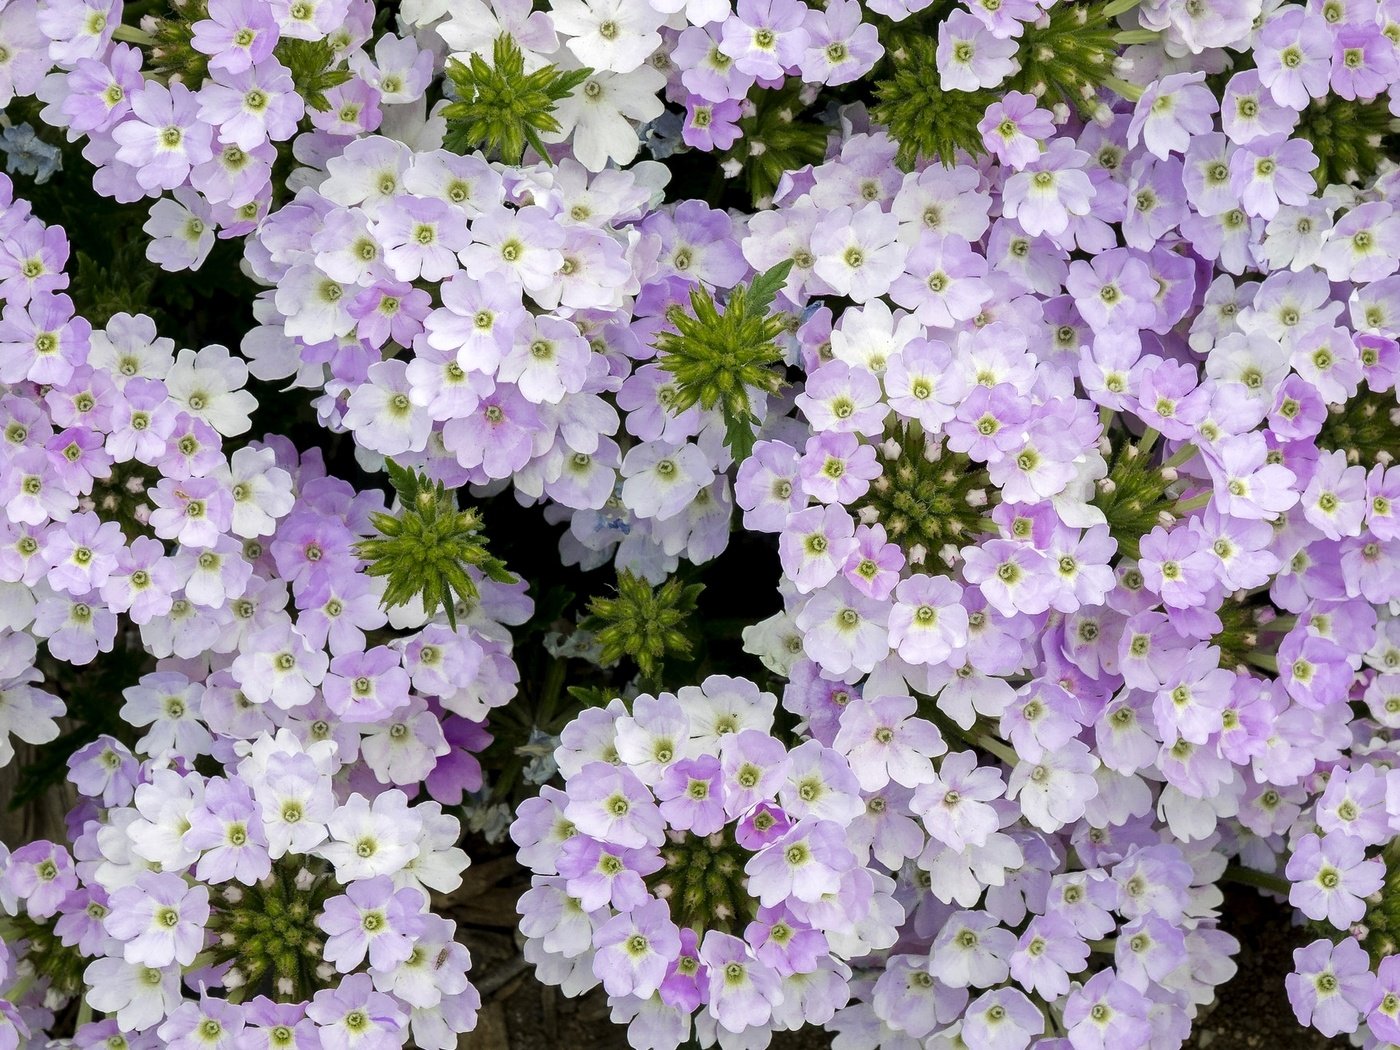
point(635, 950)
point(742, 991)
point(883, 742)
point(610, 804)
point(164, 137)
point(159, 919)
point(805, 864)
point(954, 805)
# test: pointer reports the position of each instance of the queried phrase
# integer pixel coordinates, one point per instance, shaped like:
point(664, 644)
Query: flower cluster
point(202, 102)
point(1042, 353)
point(693, 862)
point(293, 914)
point(143, 531)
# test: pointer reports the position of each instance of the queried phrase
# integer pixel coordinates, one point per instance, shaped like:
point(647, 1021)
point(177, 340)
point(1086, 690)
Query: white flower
point(209, 385)
point(369, 840)
point(140, 996)
point(439, 863)
point(662, 478)
point(612, 35)
point(262, 491)
point(181, 231)
point(383, 416)
point(604, 113)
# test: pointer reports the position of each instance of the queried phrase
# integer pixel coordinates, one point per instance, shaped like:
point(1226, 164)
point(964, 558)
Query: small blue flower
point(27, 154)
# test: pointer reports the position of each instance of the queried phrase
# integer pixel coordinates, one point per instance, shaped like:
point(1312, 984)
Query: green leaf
point(425, 550)
point(499, 107)
point(767, 285)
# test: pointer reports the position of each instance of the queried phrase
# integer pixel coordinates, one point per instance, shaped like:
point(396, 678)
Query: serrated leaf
point(766, 286)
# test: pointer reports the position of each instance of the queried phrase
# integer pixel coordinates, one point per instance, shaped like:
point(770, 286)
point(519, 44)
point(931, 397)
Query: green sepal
point(502, 109)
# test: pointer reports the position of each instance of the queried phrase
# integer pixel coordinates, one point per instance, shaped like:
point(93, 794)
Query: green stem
point(1136, 36)
point(132, 35)
point(1003, 751)
point(20, 988)
point(1265, 661)
point(1183, 507)
point(1259, 879)
point(1104, 946)
point(1131, 92)
point(84, 1015)
point(1181, 456)
point(1119, 7)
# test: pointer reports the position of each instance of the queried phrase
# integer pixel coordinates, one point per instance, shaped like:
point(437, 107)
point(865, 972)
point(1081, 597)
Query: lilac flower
point(354, 1015)
point(1331, 985)
point(1170, 112)
point(164, 137)
point(237, 35)
point(1107, 1013)
point(806, 863)
point(883, 742)
point(159, 919)
point(1014, 127)
point(764, 38)
point(742, 992)
point(612, 805)
point(635, 950)
point(1331, 877)
point(1271, 171)
point(373, 919)
point(971, 57)
point(1050, 190)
